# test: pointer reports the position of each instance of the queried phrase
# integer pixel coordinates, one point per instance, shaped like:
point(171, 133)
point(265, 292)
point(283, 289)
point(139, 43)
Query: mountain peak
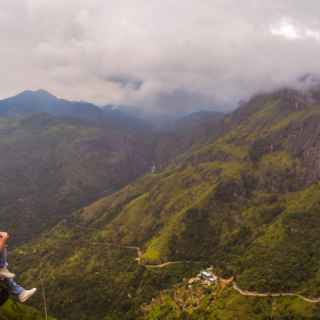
point(40, 93)
point(42, 101)
point(43, 92)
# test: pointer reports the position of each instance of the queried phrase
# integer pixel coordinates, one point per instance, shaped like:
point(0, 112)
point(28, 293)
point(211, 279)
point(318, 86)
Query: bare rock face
point(302, 140)
point(306, 144)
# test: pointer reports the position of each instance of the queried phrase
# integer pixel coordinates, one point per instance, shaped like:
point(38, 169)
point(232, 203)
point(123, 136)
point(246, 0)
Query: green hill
point(246, 203)
point(213, 303)
point(14, 311)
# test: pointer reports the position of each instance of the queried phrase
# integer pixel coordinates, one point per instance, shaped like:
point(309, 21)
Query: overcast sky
point(160, 54)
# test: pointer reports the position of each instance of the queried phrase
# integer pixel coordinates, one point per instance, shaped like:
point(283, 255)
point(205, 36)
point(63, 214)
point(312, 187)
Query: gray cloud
point(126, 82)
point(163, 55)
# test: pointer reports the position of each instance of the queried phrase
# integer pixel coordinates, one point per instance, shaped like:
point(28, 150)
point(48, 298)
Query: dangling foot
point(26, 294)
point(5, 273)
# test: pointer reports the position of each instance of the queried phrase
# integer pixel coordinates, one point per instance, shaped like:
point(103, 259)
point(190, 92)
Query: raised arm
point(4, 236)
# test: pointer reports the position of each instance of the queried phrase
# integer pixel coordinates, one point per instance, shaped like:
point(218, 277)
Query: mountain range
point(57, 156)
point(238, 192)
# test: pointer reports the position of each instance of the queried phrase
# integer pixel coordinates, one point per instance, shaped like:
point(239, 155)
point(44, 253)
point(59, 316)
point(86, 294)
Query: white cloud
point(160, 54)
point(287, 30)
point(313, 34)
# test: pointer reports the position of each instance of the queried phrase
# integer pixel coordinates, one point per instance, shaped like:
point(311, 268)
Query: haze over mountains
point(41, 101)
point(58, 155)
point(239, 192)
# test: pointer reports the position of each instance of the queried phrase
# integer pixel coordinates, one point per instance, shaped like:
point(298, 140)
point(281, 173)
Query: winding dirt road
point(269, 294)
point(152, 266)
point(225, 282)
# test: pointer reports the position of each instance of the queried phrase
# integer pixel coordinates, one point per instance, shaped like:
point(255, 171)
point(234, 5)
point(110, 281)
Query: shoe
point(26, 294)
point(5, 273)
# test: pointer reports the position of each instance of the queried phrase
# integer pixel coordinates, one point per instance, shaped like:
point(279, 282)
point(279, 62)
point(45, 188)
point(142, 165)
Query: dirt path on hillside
point(248, 293)
point(152, 266)
point(166, 264)
point(223, 282)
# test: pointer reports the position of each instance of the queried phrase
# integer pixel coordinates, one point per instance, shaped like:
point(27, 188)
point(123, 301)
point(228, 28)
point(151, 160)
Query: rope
point(44, 298)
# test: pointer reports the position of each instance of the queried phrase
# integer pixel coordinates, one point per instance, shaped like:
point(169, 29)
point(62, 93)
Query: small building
point(208, 276)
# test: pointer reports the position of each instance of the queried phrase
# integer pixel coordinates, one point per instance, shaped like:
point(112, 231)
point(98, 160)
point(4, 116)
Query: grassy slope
point(193, 303)
point(247, 203)
point(14, 311)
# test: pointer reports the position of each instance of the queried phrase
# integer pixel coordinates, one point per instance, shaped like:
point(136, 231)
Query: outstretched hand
point(4, 235)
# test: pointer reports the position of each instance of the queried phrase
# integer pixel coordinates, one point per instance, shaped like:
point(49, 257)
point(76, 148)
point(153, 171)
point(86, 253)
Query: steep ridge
point(51, 166)
point(59, 155)
point(189, 132)
point(246, 203)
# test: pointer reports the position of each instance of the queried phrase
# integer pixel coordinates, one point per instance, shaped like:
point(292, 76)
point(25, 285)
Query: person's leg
point(4, 272)
point(14, 288)
point(19, 292)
